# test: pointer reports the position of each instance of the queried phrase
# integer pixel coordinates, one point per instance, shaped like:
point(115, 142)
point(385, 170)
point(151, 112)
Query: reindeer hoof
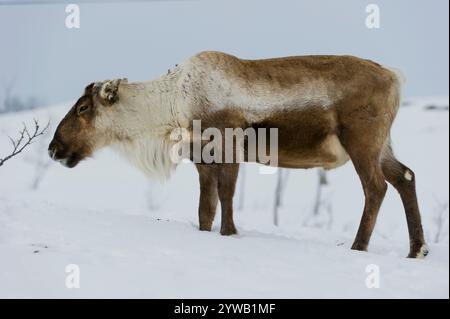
point(205, 228)
point(420, 253)
point(359, 246)
point(228, 231)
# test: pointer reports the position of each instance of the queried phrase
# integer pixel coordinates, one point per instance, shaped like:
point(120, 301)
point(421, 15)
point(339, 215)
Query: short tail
point(399, 75)
point(395, 96)
point(393, 102)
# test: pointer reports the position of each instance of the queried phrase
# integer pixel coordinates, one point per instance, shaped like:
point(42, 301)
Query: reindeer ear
point(108, 91)
point(88, 89)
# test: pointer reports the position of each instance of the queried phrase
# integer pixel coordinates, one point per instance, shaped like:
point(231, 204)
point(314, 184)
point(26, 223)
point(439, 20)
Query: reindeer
point(327, 109)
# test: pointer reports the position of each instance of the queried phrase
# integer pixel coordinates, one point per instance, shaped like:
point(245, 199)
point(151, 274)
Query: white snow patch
point(98, 217)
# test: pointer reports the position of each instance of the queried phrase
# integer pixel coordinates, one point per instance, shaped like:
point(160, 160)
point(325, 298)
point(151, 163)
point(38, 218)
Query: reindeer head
point(79, 133)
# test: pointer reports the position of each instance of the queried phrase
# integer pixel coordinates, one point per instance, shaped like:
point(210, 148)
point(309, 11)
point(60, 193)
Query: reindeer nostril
point(51, 153)
point(52, 149)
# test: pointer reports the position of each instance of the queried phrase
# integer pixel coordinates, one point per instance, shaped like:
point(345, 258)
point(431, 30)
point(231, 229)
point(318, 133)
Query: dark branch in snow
point(282, 179)
point(440, 221)
point(26, 138)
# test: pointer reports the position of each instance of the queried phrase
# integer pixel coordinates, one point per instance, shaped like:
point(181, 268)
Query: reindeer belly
point(306, 138)
point(328, 154)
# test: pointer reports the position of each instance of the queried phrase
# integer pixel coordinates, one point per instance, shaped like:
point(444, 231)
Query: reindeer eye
point(82, 109)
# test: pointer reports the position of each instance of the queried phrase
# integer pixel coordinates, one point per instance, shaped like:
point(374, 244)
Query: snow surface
point(132, 237)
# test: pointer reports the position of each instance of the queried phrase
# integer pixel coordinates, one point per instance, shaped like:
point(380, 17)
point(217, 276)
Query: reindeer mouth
point(70, 161)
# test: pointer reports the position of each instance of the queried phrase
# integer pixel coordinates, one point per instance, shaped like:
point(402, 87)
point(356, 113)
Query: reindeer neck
point(152, 105)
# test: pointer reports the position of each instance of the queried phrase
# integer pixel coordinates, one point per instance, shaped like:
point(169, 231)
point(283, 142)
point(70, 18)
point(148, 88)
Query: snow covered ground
point(131, 237)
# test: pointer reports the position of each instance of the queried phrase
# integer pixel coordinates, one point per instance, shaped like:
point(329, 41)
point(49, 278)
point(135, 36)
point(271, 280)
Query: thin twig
point(25, 139)
point(440, 219)
point(282, 179)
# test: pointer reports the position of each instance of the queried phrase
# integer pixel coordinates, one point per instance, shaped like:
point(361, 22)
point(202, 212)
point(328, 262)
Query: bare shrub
point(25, 139)
point(282, 179)
point(440, 222)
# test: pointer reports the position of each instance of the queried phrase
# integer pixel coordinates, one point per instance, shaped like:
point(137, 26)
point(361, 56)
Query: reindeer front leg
point(208, 195)
point(227, 177)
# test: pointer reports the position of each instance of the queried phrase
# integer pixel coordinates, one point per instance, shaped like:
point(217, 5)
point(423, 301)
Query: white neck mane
point(150, 155)
point(147, 115)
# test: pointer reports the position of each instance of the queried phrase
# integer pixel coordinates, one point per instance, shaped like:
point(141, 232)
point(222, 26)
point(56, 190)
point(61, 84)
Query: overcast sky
point(40, 57)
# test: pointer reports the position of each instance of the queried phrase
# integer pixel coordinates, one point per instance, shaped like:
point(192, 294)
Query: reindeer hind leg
point(403, 179)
